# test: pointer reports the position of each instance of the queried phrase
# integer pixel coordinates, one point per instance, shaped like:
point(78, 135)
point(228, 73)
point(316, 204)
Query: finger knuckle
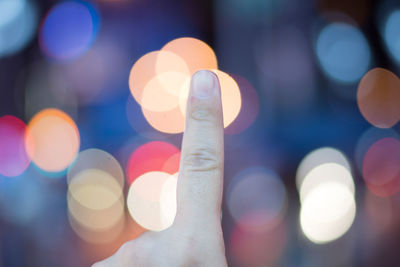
point(200, 113)
point(202, 159)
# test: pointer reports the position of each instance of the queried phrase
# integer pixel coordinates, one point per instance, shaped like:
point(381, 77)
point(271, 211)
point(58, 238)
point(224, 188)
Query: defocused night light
point(249, 109)
point(326, 173)
point(379, 212)
point(153, 156)
point(391, 34)
point(18, 22)
point(367, 139)
point(318, 157)
point(52, 140)
point(256, 199)
point(378, 97)
point(381, 168)
point(144, 200)
point(343, 52)
point(327, 212)
point(160, 80)
point(68, 30)
point(13, 156)
point(197, 54)
point(95, 196)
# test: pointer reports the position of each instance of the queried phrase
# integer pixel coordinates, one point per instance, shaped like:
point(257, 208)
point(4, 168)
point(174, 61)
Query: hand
point(195, 238)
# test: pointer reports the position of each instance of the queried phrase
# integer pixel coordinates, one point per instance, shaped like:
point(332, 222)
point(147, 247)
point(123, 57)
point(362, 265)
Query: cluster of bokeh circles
point(160, 81)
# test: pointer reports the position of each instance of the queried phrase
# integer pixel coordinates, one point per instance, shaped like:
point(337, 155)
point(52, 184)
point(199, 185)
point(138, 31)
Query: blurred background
point(92, 101)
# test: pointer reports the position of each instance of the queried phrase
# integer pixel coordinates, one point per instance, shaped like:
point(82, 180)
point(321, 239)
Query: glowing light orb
point(326, 173)
point(68, 30)
point(151, 200)
point(343, 52)
point(317, 157)
point(153, 156)
point(18, 22)
point(52, 140)
point(13, 156)
point(171, 121)
point(391, 34)
point(197, 54)
point(381, 168)
point(378, 97)
point(256, 199)
point(327, 212)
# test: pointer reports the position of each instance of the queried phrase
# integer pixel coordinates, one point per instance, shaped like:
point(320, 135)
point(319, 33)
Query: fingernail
point(203, 84)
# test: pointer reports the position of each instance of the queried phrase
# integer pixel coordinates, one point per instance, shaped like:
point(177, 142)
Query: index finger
point(202, 160)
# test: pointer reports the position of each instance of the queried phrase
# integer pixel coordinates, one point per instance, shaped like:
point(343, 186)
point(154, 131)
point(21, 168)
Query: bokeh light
point(52, 140)
point(367, 139)
point(197, 54)
point(18, 22)
point(68, 30)
point(343, 52)
point(391, 34)
point(381, 168)
point(151, 200)
point(95, 196)
point(325, 173)
point(160, 81)
point(261, 209)
point(327, 212)
point(318, 157)
point(153, 156)
point(378, 97)
point(13, 156)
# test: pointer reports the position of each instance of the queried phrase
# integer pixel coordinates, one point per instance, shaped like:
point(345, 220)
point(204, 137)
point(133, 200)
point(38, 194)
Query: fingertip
point(204, 84)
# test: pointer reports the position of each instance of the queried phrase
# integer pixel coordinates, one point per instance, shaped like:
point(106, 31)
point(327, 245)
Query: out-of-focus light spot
point(144, 200)
point(171, 121)
point(343, 52)
point(96, 159)
point(52, 140)
point(18, 21)
point(381, 168)
point(367, 139)
point(249, 107)
point(68, 30)
point(378, 97)
point(94, 219)
point(95, 189)
point(149, 67)
point(258, 248)
point(102, 236)
point(197, 54)
point(13, 156)
point(230, 96)
point(318, 157)
point(326, 173)
point(327, 212)
point(95, 196)
point(256, 199)
point(153, 156)
point(391, 34)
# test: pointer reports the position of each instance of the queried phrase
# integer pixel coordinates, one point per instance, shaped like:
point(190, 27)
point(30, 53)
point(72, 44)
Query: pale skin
point(195, 238)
